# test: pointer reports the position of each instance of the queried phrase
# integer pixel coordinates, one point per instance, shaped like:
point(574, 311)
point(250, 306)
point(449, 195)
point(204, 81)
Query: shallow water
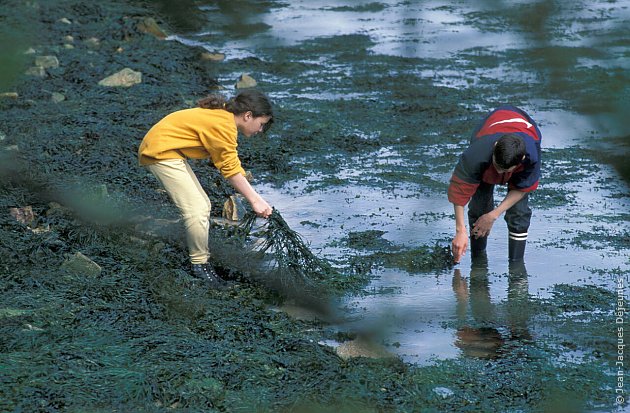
point(426, 315)
point(416, 306)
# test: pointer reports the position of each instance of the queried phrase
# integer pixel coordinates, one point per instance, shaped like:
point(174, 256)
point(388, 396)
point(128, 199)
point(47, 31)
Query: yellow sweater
point(194, 133)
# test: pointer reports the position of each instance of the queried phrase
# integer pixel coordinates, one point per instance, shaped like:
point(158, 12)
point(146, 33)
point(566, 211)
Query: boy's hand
point(483, 225)
point(459, 246)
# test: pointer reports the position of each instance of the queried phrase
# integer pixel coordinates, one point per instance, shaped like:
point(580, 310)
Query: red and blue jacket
point(475, 164)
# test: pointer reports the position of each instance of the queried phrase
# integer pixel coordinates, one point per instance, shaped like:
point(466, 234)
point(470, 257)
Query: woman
point(208, 131)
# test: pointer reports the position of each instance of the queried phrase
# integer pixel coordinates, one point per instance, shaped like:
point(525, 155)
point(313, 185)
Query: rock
point(79, 264)
point(223, 222)
point(23, 215)
point(13, 312)
point(150, 26)
point(214, 57)
point(3, 136)
point(41, 229)
point(362, 348)
point(124, 78)
point(64, 20)
point(12, 95)
point(93, 43)
point(36, 71)
point(68, 39)
point(30, 327)
point(245, 81)
point(58, 97)
point(68, 46)
point(47, 62)
point(234, 208)
point(30, 50)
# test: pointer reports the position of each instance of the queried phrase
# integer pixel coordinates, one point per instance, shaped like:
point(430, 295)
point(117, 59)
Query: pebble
point(444, 392)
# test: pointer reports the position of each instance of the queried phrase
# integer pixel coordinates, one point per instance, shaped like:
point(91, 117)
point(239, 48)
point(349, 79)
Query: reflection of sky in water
point(404, 29)
point(433, 29)
point(408, 29)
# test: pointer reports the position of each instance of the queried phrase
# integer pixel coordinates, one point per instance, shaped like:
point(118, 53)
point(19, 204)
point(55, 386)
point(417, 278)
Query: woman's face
point(250, 125)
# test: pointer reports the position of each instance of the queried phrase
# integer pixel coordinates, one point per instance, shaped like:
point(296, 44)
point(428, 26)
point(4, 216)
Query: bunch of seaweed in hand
point(285, 253)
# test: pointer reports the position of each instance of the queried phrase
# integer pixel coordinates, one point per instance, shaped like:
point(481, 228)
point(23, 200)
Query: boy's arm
point(460, 242)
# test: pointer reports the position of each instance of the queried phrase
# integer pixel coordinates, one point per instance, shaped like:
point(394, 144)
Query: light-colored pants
point(182, 186)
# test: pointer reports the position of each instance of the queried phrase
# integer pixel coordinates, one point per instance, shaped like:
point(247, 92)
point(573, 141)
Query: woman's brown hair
point(248, 100)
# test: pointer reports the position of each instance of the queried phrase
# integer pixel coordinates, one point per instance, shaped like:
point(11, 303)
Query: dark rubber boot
point(478, 261)
point(208, 274)
point(478, 246)
point(516, 249)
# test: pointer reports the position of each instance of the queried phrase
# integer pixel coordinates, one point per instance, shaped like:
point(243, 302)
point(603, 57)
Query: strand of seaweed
point(284, 252)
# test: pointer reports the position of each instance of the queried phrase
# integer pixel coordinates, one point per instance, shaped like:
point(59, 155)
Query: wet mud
point(98, 312)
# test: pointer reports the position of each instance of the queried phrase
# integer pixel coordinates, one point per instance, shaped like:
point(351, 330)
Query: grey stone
point(123, 78)
point(79, 264)
point(58, 97)
point(149, 25)
point(47, 62)
point(234, 208)
point(36, 71)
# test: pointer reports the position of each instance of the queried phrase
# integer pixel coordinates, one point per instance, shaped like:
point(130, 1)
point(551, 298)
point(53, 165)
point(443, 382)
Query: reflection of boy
point(483, 340)
point(504, 149)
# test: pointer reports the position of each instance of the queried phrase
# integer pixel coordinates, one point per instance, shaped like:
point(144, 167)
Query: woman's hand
point(259, 205)
point(261, 208)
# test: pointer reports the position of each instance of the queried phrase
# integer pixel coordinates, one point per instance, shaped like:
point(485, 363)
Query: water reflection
point(479, 335)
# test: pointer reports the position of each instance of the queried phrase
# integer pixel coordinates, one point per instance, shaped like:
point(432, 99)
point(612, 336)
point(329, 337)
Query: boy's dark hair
point(247, 100)
point(509, 151)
